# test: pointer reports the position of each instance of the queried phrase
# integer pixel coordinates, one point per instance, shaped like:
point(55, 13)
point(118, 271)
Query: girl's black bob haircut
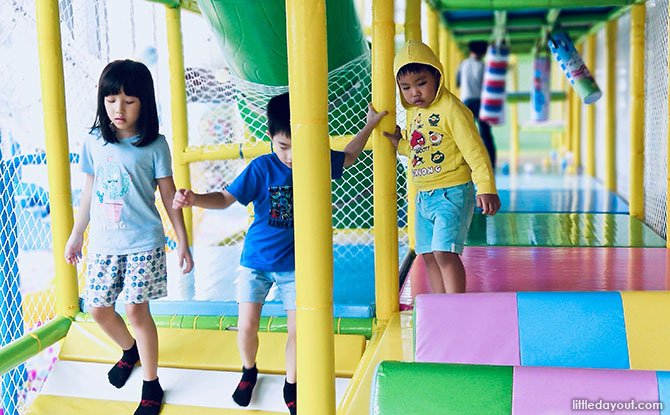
point(134, 78)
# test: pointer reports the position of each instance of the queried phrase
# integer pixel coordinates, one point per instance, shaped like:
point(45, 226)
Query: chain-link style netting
point(27, 297)
point(656, 115)
point(230, 110)
point(93, 32)
point(623, 101)
point(601, 113)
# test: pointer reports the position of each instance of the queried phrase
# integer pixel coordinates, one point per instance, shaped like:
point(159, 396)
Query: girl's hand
point(73, 249)
point(185, 259)
point(183, 198)
point(373, 116)
point(490, 203)
point(395, 137)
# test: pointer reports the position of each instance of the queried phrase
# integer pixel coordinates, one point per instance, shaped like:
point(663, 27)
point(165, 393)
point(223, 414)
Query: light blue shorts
point(137, 278)
point(253, 286)
point(443, 218)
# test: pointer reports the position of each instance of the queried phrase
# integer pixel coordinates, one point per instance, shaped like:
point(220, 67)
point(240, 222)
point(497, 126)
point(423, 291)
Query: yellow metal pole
point(384, 159)
point(577, 125)
point(610, 114)
point(638, 13)
point(445, 58)
point(308, 84)
point(182, 173)
point(514, 117)
point(412, 32)
point(456, 57)
point(590, 159)
point(413, 20)
point(433, 30)
point(58, 153)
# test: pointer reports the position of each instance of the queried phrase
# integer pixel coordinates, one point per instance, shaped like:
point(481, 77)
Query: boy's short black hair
point(416, 67)
point(279, 115)
point(478, 47)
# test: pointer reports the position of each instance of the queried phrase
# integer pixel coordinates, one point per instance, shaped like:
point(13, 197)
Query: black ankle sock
point(290, 397)
point(242, 395)
point(152, 398)
point(119, 374)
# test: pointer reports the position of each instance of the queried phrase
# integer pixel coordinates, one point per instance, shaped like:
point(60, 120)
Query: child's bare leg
point(147, 338)
point(453, 272)
point(290, 347)
point(247, 332)
point(147, 345)
point(248, 319)
point(113, 325)
point(290, 387)
point(434, 273)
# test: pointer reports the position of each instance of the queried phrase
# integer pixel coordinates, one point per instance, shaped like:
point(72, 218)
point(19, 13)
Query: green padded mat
point(561, 229)
point(402, 388)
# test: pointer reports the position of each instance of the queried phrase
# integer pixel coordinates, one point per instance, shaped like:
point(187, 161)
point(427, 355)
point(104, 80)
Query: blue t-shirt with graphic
point(268, 183)
point(123, 214)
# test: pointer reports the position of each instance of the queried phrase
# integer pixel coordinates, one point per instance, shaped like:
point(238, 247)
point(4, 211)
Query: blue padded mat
point(572, 329)
point(664, 390)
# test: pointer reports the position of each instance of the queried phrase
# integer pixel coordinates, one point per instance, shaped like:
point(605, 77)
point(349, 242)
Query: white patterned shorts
point(138, 278)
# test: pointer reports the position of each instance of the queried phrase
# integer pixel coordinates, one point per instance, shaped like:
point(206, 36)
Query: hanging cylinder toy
point(540, 93)
point(574, 68)
point(493, 92)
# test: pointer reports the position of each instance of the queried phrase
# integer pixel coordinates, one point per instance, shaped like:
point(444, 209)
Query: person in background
point(470, 79)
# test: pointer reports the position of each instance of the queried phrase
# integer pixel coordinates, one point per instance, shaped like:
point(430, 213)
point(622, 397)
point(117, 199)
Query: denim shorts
point(137, 278)
point(253, 286)
point(443, 218)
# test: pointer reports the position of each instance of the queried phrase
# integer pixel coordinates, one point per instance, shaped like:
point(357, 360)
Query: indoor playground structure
point(565, 307)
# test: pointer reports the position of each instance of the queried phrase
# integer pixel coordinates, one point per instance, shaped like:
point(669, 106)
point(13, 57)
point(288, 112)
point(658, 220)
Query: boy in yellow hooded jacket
point(446, 155)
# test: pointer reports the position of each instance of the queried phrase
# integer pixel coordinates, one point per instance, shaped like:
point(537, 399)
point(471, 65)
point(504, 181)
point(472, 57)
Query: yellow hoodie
point(442, 140)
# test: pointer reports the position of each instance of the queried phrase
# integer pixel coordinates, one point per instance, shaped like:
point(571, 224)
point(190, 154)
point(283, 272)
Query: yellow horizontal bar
point(250, 150)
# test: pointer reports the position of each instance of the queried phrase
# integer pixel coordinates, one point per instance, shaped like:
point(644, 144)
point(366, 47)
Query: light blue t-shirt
point(123, 215)
point(268, 183)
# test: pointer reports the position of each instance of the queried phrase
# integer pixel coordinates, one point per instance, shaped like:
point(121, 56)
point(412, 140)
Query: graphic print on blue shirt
point(113, 184)
point(281, 207)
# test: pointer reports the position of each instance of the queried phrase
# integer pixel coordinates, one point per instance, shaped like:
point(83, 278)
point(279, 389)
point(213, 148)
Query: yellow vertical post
point(413, 20)
point(565, 109)
point(384, 159)
point(638, 13)
point(182, 173)
point(412, 32)
point(514, 117)
point(590, 159)
point(569, 120)
point(445, 58)
point(455, 58)
point(308, 84)
point(433, 19)
point(58, 153)
point(610, 114)
point(577, 125)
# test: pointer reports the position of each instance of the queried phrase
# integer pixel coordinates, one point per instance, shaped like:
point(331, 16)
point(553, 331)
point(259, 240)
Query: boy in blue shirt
point(268, 255)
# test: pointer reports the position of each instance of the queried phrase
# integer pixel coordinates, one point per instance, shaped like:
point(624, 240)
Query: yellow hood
point(415, 51)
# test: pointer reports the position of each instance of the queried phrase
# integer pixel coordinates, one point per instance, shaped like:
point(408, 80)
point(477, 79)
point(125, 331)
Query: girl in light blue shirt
point(125, 159)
